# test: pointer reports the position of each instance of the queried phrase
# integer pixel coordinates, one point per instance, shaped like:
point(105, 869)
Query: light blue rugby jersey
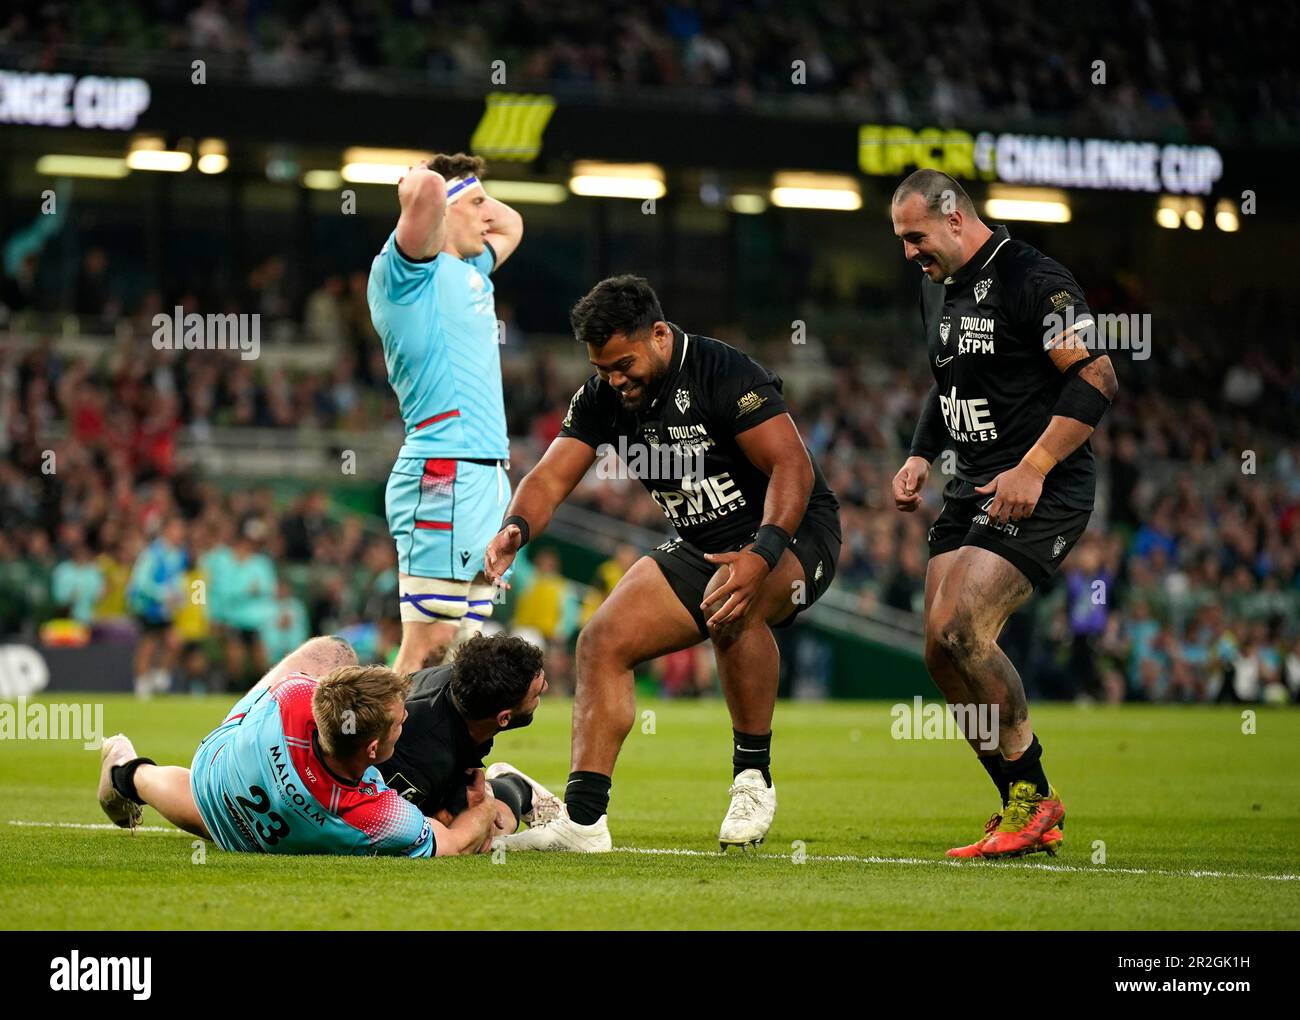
point(437, 320)
point(261, 786)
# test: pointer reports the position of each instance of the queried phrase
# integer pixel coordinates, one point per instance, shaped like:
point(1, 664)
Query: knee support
point(478, 610)
point(432, 600)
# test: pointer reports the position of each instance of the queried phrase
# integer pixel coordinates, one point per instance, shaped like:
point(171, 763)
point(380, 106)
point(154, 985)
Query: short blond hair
point(353, 705)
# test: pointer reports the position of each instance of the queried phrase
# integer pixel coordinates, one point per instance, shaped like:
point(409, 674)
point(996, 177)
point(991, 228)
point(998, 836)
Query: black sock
point(1028, 767)
point(514, 793)
point(749, 751)
point(993, 766)
point(587, 796)
point(123, 778)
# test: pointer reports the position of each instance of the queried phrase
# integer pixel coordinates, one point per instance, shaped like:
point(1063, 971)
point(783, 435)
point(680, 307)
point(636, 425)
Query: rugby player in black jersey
point(759, 537)
point(453, 713)
point(1019, 388)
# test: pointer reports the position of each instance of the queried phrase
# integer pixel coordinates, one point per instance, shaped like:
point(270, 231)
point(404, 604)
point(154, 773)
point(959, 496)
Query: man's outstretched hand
point(501, 553)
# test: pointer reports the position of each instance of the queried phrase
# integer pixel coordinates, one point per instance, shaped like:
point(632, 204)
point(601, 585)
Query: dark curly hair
point(492, 674)
point(456, 164)
point(619, 304)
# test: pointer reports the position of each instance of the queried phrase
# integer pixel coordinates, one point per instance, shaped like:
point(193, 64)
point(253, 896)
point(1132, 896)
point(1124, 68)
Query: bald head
point(941, 193)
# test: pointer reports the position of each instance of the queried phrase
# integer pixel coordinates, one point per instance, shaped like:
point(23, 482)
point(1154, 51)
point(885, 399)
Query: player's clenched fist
point(501, 552)
point(418, 176)
point(908, 483)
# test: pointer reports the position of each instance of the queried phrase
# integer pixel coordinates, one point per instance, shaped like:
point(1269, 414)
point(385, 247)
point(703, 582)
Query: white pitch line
point(818, 858)
point(96, 825)
point(1005, 865)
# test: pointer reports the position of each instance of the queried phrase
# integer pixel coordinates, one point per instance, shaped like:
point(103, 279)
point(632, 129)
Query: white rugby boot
point(753, 806)
point(546, 806)
point(561, 833)
point(117, 750)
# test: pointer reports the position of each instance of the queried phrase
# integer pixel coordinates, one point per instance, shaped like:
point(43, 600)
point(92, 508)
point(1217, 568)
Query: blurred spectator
point(286, 626)
point(77, 584)
point(155, 594)
point(905, 588)
point(608, 574)
point(304, 524)
point(1291, 671)
point(688, 673)
point(1088, 587)
point(547, 604)
point(323, 316)
point(244, 585)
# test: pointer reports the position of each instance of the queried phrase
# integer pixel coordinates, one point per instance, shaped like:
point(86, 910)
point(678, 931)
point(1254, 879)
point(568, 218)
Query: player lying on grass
point(297, 765)
point(759, 540)
point(454, 710)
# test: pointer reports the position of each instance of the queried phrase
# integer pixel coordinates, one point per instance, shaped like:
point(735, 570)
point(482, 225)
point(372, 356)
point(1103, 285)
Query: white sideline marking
point(96, 825)
point(1017, 864)
point(1013, 864)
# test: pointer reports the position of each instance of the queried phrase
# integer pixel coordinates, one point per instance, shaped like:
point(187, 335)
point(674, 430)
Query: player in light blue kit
point(431, 300)
point(292, 770)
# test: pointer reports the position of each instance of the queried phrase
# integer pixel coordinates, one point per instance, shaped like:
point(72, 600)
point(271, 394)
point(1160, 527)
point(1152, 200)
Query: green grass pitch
point(1200, 825)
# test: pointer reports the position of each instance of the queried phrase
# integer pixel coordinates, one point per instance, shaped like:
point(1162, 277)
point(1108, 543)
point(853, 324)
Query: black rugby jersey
point(682, 444)
point(435, 748)
point(986, 327)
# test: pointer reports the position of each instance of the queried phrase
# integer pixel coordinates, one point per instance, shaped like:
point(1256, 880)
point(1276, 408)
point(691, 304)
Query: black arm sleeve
point(1081, 400)
point(931, 436)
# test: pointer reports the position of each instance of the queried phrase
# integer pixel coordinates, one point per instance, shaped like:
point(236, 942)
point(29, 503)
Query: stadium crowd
point(1187, 587)
point(1180, 71)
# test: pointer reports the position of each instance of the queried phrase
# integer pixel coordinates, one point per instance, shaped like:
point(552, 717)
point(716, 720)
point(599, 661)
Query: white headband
point(458, 186)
